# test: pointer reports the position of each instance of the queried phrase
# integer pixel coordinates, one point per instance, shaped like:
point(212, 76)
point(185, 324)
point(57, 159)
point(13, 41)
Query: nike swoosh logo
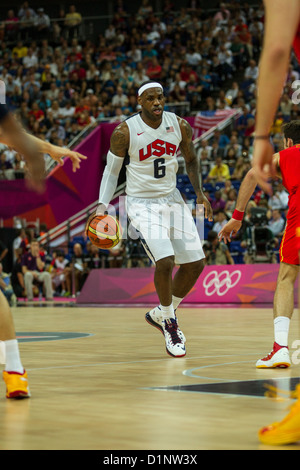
point(140, 133)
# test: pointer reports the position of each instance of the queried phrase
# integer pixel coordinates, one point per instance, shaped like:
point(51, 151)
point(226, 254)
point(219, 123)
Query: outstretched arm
point(246, 190)
point(280, 29)
point(56, 153)
point(193, 168)
point(119, 143)
point(13, 135)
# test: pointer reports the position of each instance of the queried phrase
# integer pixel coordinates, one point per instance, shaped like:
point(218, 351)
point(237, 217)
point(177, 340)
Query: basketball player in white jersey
point(154, 205)
point(32, 149)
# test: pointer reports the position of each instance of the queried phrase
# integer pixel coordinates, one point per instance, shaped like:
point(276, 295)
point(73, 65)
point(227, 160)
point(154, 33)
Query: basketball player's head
point(152, 100)
point(291, 133)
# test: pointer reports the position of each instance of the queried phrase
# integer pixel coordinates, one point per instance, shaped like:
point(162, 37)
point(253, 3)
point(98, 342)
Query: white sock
point(176, 301)
point(281, 330)
point(12, 356)
point(167, 312)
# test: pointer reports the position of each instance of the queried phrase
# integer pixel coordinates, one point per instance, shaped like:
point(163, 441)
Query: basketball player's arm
point(280, 29)
point(13, 135)
point(247, 188)
point(119, 144)
point(193, 168)
point(56, 153)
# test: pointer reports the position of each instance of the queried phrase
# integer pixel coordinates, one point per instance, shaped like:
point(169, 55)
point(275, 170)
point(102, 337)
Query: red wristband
point(237, 215)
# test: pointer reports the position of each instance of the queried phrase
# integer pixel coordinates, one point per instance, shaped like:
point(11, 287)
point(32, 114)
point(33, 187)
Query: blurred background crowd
point(58, 82)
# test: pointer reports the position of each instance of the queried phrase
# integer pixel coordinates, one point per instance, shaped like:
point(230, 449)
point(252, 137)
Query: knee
point(28, 276)
point(166, 264)
point(196, 267)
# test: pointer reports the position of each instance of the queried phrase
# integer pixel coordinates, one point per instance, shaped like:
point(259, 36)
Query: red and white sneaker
point(155, 318)
point(278, 357)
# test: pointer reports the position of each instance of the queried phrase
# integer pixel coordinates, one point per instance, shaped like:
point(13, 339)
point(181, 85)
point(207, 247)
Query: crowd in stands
point(36, 271)
point(58, 82)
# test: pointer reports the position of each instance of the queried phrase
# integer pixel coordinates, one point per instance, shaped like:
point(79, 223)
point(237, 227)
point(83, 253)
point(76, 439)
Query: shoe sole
point(18, 395)
point(158, 327)
point(284, 438)
point(277, 365)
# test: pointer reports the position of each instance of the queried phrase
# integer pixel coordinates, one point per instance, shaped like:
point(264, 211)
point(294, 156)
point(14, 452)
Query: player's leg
point(188, 251)
point(283, 310)
point(149, 221)
point(286, 431)
point(185, 279)
point(14, 374)
point(163, 283)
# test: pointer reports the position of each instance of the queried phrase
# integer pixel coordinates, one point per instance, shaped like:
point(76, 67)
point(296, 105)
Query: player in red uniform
point(287, 164)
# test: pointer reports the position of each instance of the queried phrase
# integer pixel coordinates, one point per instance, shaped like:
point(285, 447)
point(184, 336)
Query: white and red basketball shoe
point(174, 344)
point(155, 318)
point(174, 337)
point(278, 357)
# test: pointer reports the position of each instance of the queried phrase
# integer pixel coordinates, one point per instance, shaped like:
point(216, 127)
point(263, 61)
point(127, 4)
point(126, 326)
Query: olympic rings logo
point(220, 283)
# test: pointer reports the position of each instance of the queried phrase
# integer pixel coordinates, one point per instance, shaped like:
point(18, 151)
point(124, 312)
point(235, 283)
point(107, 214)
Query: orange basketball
point(104, 231)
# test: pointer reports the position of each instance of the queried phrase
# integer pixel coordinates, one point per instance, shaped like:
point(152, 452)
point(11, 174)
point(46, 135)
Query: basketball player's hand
point(229, 230)
point(100, 210)
point(208, 212)
point(57, 154)
point(263, 164)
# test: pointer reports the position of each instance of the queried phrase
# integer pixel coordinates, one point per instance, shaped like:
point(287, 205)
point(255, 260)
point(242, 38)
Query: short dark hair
point(291, 130)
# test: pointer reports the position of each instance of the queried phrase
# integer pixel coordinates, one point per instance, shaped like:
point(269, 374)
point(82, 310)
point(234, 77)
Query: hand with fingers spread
point(57, 154)
point(229, 230)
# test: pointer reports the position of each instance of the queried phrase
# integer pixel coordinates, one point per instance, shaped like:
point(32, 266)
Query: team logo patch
point(48, 336)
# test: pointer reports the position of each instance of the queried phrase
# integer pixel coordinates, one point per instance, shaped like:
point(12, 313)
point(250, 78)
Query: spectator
point(218, 203)
point(116, 255)
point(217, 253)
point(6, 287)
point(17, 277)
point(231, 202)
point(234, 143)
point(241, 167)
point(279, 199)
point(277, 223)
point(78, 268)
point(251, 72)
point(73, 21)
point(60, 274)
point(220, 220)
point(11, 25)
point(205, 148)
point(42, 24)
point(30, 60)
point(219, 172)
point(223, 14)
point(33, 268)
point(285, 106)
point(27, 21)
point(119, 99)
point(154, 69)
point(21, 235)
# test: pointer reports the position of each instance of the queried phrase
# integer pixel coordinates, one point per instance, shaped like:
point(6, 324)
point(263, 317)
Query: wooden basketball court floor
point(100, 379)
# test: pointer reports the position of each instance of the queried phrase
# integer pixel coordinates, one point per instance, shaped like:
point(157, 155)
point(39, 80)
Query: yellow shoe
point(285, 432)
point(16, 384)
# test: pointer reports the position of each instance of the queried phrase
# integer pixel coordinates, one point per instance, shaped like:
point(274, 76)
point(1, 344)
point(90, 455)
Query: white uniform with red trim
point(154, 204)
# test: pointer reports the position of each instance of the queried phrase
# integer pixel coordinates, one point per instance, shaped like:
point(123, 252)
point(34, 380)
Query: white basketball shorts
point(166, 228)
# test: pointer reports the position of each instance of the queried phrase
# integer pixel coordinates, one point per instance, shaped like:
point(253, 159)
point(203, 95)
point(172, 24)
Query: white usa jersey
point(153, 164)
